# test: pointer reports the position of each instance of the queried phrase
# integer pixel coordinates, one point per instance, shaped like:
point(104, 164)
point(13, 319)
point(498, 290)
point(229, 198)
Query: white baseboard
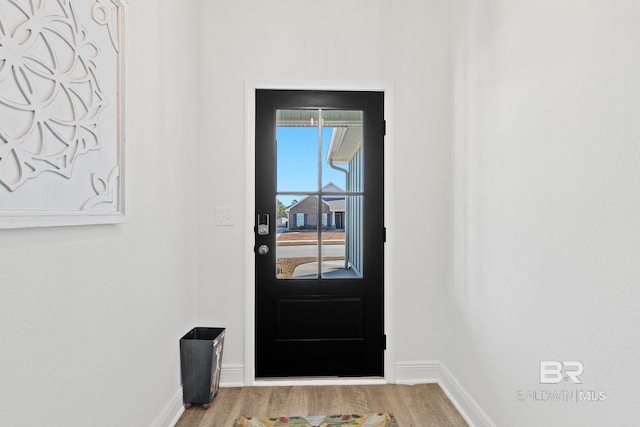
point(464, 403)
point(423, 372)
point(172, 412)
point(232, 375)
point(419, 372)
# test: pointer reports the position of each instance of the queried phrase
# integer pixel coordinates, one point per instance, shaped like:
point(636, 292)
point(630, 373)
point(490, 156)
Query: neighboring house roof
point(338, 205)
point(329, 188)
point(300, 201)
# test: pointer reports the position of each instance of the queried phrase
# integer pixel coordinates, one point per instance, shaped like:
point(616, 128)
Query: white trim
point(232, 375)
point(426, 372)
point(318, 382)
point(250, 90)
point(389, 203)
point(417, 372)
point(171, 413)
point(250, 203)
point(464, 403)
point(29, 220)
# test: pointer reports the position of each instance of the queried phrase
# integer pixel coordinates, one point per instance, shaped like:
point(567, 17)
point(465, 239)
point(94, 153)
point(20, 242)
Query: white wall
point(520, 177)
point(90, 317)
point(403, 43)
point(546, 158)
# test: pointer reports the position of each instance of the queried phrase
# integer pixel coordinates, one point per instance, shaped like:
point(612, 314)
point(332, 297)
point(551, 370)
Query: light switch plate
point(224, 216)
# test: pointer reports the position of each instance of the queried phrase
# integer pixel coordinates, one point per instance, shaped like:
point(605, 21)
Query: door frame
point(249, 220)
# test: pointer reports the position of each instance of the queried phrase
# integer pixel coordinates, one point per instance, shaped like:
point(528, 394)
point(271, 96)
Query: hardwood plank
point(421, 405)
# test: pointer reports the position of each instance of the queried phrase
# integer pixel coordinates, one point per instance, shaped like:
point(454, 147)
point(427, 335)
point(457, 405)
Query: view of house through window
point(319, 194)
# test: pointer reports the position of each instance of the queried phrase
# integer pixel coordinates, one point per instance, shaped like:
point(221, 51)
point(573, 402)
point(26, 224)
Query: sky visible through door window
point(293, 174)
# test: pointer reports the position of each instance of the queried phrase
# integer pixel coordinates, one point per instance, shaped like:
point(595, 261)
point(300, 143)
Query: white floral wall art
point(61, 112)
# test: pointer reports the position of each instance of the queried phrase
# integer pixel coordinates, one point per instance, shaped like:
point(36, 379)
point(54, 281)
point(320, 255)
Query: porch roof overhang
point(345, 143)
point(346, 136)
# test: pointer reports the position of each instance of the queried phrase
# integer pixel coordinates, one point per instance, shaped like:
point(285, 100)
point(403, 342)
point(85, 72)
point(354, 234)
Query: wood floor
point(422, 405)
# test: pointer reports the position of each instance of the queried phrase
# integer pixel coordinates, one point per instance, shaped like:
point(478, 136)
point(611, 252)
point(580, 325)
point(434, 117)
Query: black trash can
point(200, 363)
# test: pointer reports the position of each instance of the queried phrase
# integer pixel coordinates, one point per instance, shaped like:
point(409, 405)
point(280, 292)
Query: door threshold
point(318, 381)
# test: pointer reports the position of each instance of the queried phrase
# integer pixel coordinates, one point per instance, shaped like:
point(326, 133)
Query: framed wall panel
point(61, 112)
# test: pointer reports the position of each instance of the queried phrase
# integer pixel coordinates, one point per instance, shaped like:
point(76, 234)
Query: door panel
point(319, 233)
point(298, 318)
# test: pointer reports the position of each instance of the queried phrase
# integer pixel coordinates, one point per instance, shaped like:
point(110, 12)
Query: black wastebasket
point(200, 362)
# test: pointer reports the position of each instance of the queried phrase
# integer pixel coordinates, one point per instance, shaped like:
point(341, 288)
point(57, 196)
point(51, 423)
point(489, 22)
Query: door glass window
point(319, 194)
point(296, 151)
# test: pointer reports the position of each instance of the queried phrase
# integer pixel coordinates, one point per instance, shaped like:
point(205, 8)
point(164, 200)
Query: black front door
point(319, 233)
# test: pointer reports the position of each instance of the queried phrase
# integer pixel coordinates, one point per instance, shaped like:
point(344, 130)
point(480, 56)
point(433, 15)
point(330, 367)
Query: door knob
point(263, 249)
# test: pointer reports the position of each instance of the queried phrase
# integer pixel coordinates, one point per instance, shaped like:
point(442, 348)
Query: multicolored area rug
point(363, 420)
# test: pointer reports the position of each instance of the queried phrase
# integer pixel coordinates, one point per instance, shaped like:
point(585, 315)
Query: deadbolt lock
point(263, 224)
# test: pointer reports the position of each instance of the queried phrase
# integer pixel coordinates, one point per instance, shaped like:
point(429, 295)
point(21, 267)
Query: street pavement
point(309, 251)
